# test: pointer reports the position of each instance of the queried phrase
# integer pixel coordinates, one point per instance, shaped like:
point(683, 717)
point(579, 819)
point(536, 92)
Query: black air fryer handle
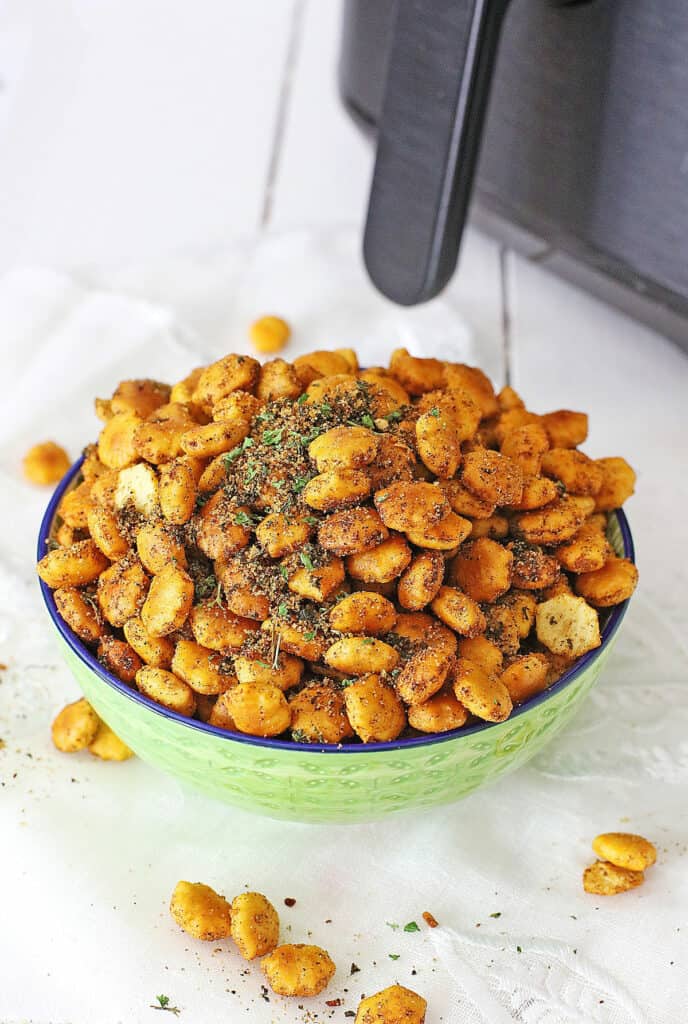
point(438, 83)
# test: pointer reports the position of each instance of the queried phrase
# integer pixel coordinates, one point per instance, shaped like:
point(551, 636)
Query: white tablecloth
point(90, 851)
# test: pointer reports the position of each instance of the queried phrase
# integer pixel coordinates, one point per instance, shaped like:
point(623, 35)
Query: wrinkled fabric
point(91, 851)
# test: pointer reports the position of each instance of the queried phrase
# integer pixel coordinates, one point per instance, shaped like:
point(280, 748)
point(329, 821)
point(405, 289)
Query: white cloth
point(90, 851)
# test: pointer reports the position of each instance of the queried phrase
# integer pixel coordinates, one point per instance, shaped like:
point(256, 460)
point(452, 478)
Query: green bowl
point(317, 783)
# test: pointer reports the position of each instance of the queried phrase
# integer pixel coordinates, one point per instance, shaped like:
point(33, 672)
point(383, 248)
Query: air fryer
point(561, 128)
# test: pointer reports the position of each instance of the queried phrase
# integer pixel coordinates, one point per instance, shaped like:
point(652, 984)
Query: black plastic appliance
point(565, 126)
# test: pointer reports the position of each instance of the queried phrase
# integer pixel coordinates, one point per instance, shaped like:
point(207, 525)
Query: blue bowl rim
point(85, 655)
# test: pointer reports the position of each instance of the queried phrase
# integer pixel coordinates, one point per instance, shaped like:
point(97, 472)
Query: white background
point(131, 132)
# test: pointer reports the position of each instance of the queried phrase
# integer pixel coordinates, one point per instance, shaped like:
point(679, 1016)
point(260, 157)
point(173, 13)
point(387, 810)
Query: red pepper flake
point(429, 919)
point(333, 1002)
point(289, 901)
